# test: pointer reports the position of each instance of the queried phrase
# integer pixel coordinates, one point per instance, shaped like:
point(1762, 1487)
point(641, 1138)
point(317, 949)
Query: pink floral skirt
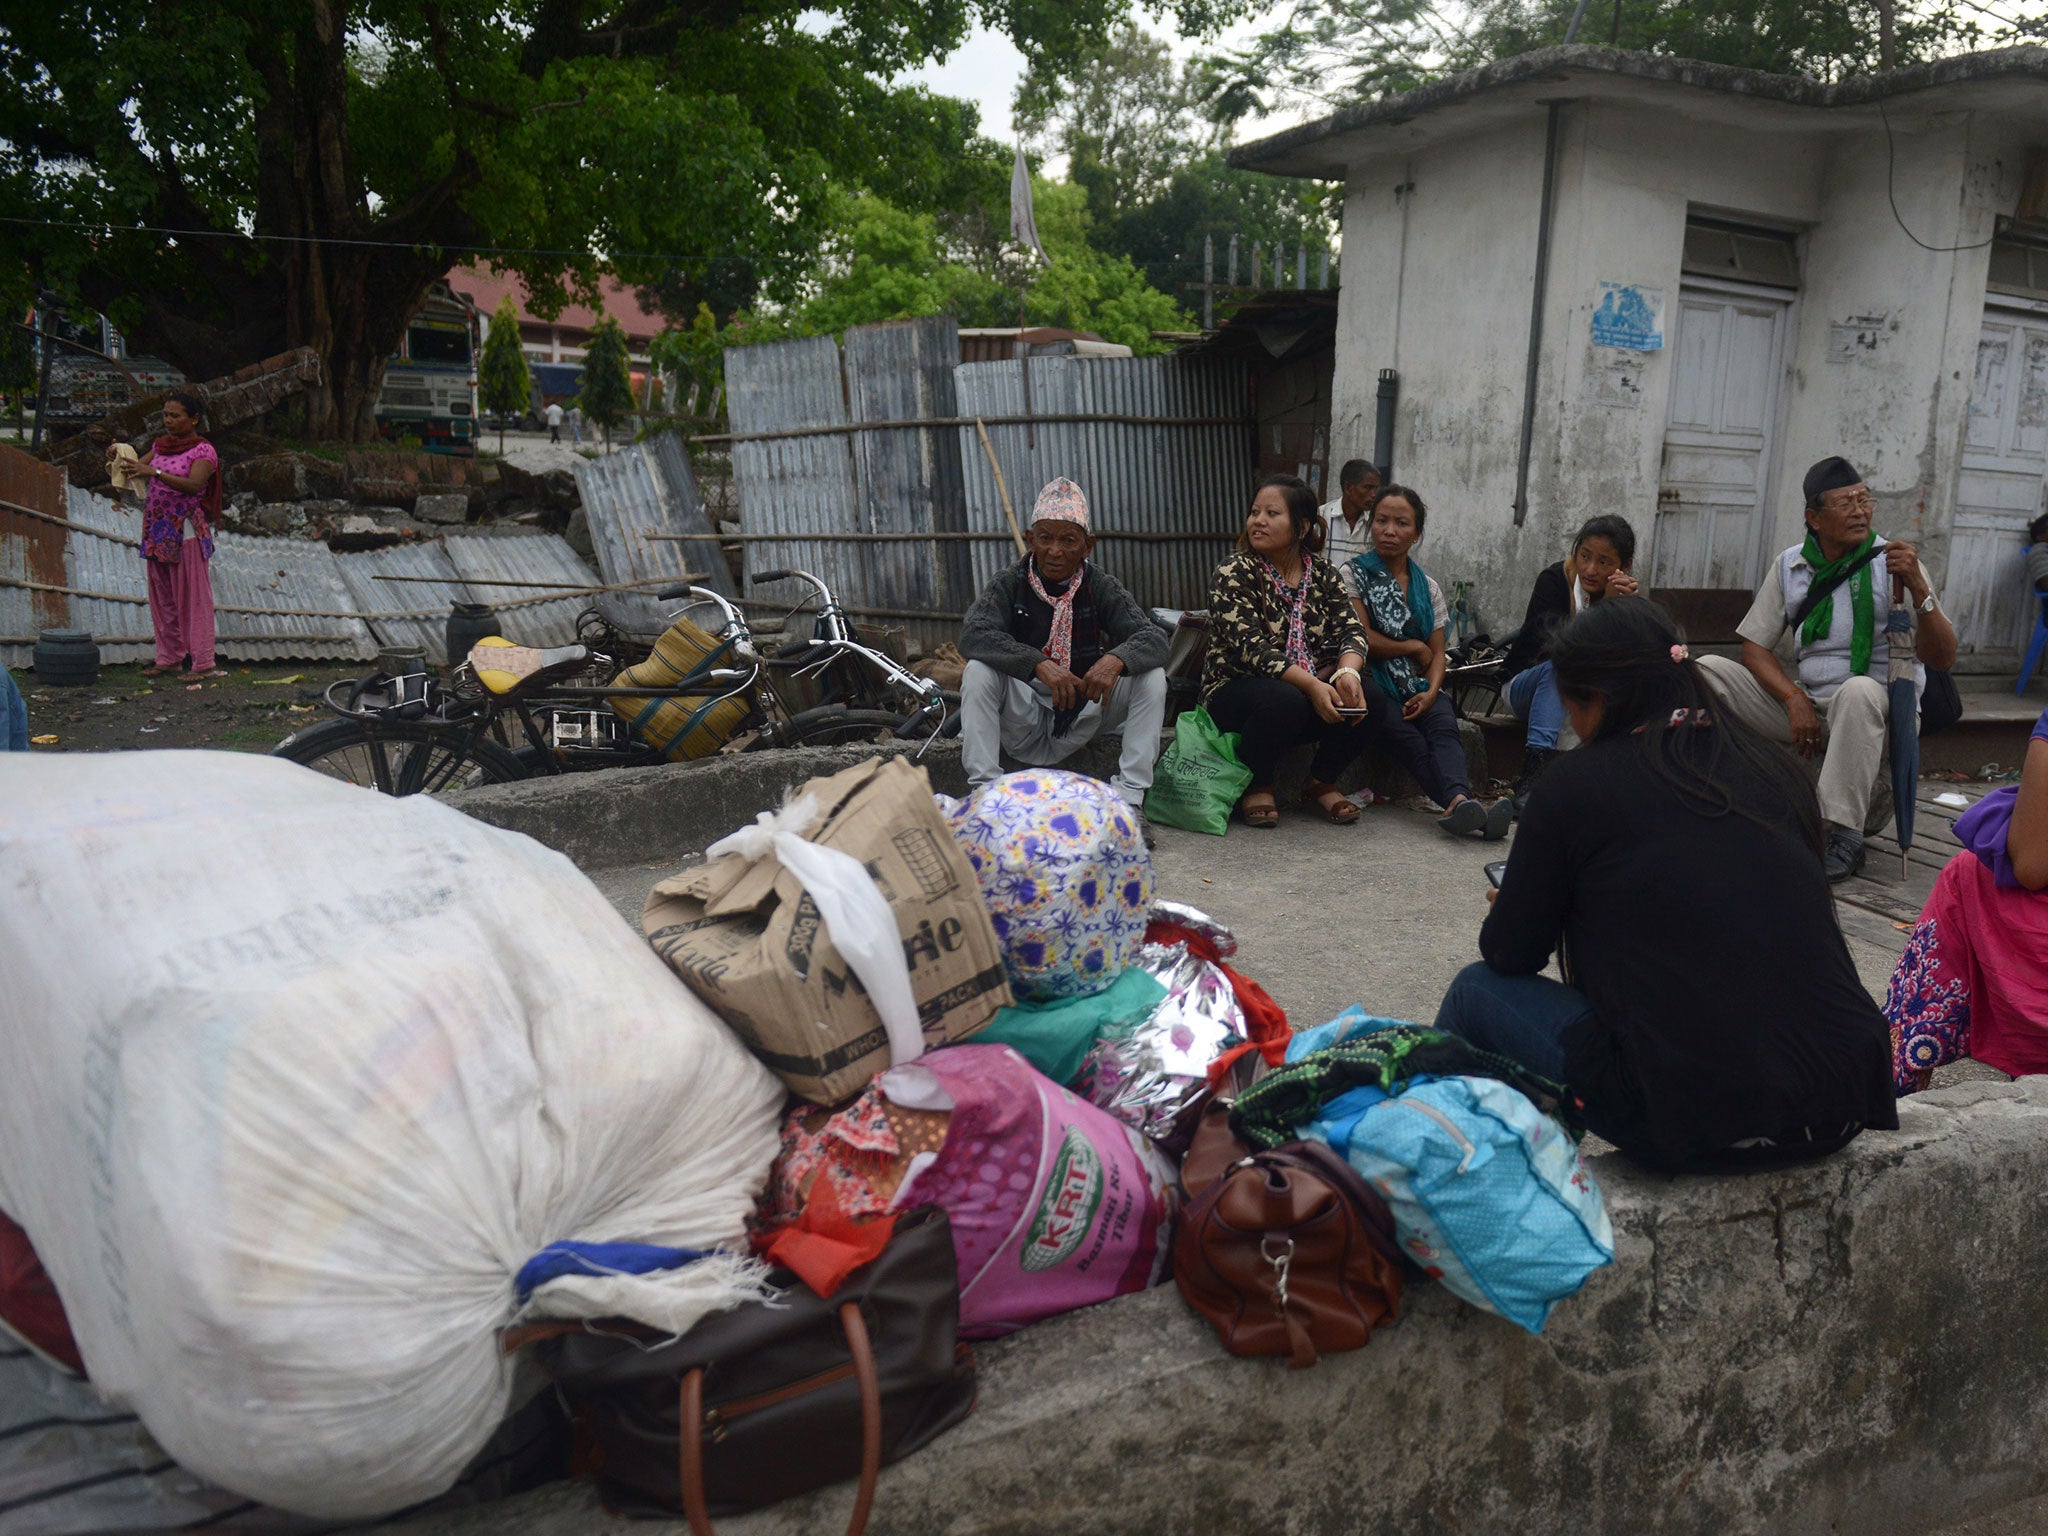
point(1973, 980)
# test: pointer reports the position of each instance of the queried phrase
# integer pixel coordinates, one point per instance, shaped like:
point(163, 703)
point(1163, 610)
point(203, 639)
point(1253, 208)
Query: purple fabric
point(1982, 828)
point(166, 511)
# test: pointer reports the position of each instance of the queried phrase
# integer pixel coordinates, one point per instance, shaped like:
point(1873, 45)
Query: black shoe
point(1533, 763)
point(1145, 827)
point(1844, 855)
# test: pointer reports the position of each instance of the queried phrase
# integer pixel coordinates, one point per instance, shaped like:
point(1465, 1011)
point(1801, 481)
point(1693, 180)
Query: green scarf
point(1863, 630)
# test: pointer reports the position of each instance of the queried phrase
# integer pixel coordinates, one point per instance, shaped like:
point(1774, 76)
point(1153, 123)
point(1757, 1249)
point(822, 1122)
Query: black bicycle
point(411, 734)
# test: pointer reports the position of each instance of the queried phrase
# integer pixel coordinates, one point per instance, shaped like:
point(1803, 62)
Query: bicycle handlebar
point(761, 576)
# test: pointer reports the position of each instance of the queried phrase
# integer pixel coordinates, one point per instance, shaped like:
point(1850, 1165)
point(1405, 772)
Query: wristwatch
point(1928, 604)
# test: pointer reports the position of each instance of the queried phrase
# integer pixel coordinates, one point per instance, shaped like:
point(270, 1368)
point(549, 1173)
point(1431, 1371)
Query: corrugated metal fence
point(637, 491)
point(1187, 482)
point(274, 598)
point(1162, 446)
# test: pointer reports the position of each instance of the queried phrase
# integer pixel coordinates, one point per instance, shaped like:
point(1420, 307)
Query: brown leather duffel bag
point(1288, 1252)
point(758, 1404)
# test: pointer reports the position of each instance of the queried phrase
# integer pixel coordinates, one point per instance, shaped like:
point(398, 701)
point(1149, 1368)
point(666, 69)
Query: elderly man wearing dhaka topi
point(1058, 653)
point(1823, 607)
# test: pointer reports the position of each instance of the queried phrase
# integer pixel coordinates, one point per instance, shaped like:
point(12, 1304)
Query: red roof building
point(562, 339)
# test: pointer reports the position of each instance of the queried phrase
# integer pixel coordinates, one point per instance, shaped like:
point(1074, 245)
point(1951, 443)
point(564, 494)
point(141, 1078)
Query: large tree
point(229, 178)
point(1324, 53)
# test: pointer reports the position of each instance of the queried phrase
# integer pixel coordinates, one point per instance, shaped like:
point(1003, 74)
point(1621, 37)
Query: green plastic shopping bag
point(1198, 778)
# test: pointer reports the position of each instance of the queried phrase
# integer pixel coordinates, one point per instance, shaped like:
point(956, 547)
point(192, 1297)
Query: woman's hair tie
point(1681, 653)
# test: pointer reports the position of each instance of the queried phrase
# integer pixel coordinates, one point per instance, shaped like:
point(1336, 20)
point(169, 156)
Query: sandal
point(1465, 819)
point(1330, 800)
point(1265, 817)
point(1498, 816)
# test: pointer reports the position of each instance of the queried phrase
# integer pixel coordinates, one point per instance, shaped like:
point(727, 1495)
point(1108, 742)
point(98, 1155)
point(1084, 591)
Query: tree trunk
point(1887, 51)
point(324, 273)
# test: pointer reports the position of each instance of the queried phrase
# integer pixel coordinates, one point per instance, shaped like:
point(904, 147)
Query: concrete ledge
point(1857, 1346)
point(672, 810)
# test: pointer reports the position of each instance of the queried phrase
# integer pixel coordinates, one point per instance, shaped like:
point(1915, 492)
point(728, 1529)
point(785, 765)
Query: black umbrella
point(1905, 719)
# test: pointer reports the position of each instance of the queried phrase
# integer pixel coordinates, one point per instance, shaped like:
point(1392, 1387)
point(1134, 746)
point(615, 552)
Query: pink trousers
point(181, 608)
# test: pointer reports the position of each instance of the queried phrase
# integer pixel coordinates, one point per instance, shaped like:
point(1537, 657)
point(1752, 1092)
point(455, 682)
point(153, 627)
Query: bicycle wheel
point(400, 758)
point(836, 727)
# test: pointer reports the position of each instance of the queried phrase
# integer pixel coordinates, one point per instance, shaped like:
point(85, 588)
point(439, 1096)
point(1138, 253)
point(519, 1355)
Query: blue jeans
point(1533, 695)
point(1520, 1016)
point(13, 715)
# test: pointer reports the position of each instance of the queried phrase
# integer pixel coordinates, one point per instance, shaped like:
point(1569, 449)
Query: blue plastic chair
point(2035, 646)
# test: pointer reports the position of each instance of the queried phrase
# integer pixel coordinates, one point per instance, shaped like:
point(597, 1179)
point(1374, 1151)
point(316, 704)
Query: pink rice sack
point(1054, 1204)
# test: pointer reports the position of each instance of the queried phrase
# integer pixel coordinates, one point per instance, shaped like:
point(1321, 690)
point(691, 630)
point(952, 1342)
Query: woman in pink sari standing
point(183, 504)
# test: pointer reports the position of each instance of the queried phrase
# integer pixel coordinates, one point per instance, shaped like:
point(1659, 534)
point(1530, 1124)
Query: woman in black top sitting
point(1598, 567)
point(1710, 1015)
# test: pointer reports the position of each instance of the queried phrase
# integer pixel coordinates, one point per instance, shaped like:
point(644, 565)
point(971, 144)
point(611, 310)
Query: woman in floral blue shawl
point(1402, 610)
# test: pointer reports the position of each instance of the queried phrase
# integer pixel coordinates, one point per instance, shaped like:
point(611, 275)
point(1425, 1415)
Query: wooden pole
point(1002, 486)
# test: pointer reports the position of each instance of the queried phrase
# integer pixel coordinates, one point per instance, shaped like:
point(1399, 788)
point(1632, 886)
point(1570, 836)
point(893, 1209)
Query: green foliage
point(607, 393)
point(1123, 120)
point(1086, 289)
point(890, 267)
point(504, 383)
point(697, 146)
point(1354, 49)
point(1826, 39)
point(1133, 130)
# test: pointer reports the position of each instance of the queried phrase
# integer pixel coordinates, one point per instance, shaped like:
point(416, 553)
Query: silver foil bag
point(1153, 1075)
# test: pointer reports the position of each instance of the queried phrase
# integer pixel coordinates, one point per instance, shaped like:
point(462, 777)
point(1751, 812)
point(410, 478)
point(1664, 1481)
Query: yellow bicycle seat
point(503, 667)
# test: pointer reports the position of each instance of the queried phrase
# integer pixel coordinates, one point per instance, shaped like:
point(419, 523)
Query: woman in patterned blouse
point(1286, 654)
point(182, 472)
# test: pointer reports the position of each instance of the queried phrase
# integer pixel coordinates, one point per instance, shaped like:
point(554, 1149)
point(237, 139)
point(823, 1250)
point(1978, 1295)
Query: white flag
point(1023, 227)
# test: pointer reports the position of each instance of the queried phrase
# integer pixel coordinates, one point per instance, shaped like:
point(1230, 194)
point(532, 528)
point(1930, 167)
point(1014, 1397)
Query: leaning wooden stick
point(1002, 488)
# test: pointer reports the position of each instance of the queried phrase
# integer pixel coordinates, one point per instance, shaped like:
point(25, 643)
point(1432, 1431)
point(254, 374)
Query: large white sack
point(295, 1077)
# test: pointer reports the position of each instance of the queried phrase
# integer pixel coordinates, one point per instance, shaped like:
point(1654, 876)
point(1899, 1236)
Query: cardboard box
point(748, 940)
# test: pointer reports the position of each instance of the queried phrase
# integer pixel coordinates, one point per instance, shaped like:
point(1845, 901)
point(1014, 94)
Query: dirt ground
point(239, 709)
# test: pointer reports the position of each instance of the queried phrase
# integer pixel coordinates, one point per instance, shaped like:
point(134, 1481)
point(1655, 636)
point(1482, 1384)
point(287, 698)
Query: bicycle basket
point(680, 727)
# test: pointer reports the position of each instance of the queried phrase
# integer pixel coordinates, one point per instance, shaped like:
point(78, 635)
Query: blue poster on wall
point(1630, 317)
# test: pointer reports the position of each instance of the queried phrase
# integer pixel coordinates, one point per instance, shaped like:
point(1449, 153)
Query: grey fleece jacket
point(1130, 634)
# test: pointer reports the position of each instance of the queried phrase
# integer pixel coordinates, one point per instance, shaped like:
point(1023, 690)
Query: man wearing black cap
point(1837, 705)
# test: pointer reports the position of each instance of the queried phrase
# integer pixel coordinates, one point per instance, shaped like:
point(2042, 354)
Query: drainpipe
point(1556, 109)
point(1383, 425)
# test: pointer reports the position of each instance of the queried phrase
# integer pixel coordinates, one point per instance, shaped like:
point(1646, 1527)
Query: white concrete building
point(1738, 274)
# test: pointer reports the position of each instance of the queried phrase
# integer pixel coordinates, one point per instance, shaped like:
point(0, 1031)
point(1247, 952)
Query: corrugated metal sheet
point(113, 564)
point(391, 606)
point(909, 481)
point(302, 579)
point(291, 574)
point(625, 494)
point(1192, 482)
point(31, 549)
point(795, 485)
point(524, 557)
point(315, 605)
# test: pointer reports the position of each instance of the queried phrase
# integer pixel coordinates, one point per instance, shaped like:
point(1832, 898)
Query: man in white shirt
point(1839, 706)
point(1350, 518)
point(555, 421)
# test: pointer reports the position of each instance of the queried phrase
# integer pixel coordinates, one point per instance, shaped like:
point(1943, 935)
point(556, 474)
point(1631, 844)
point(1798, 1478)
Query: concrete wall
point(1439, 256)
point(1857, 1346)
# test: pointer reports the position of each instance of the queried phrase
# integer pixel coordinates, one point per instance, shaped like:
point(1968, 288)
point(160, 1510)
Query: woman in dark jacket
point(1286, 658)
point(1710, 1014)
point(1598, 567)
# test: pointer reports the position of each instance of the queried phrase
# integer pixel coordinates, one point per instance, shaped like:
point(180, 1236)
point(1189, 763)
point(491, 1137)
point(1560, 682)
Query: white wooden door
point(2005, 450)
point(1728, 354)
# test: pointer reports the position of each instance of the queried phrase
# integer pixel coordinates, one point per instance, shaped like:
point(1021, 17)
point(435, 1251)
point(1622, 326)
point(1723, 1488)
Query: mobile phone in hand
point(1494, 871)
